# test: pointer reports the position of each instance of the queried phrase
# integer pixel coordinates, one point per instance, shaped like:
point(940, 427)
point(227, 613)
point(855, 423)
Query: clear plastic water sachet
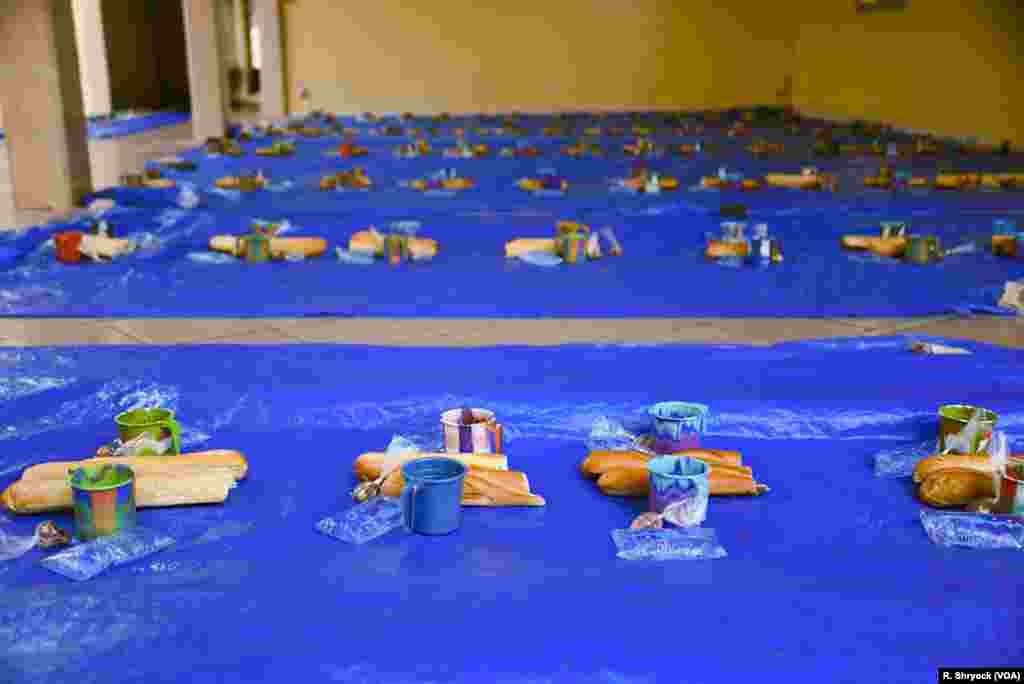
point(364, 522)
point(88, 559)
point(356, 258)
point(402, 445)
point(691, 543)
point(973, 530)
point(12, 546)
point(211, 258)
point(541, 258)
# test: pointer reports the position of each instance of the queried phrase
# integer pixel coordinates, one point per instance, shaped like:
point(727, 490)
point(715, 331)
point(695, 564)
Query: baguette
point(722, 248)
point(372, 465)
point(232, 462)
point(373, 243)
point(239, 183)
point(483, 488)
point(599, 462)
point(521, 246)
point(307, 246)
point(889, 247)
point(932, 465)
point(954, 487)
point(955, 479)
point(716, 182)
point(631, 481)
point(794, 180)
point(44, 496)
point(878, 182)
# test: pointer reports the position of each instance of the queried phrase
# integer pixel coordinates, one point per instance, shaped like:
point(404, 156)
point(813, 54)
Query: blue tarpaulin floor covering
point(663, 272)
point(829, 576)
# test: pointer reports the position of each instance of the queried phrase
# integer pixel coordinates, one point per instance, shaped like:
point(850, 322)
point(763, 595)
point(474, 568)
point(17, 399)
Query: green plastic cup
point(954, 417)
point(104, 500)
point(156, 423)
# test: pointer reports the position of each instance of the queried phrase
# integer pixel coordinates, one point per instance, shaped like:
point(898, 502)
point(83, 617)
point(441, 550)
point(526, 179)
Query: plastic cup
point(155, 423)
point(432, 496)
point(104, 500)
point(680, 485)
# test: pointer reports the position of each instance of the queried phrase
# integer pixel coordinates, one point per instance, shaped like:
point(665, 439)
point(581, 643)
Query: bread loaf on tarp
point(44, 496)
point(637, 482)
point(600, 461)
point(482, 488)
point(948, 480)
point(231, 461)
point(371, 465)
point(624, 473)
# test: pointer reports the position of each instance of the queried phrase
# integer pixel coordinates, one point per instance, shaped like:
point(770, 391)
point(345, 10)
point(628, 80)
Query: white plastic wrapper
point(188, 198)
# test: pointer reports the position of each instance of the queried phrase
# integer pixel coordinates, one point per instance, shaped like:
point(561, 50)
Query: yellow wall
point(954, 67)
point(535, 55)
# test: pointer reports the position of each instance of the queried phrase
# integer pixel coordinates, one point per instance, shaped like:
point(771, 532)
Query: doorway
point(146, 55)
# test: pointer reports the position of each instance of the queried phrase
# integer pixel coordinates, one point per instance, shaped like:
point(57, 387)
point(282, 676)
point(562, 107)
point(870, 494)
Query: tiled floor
point(485, 332)
point(113, 158)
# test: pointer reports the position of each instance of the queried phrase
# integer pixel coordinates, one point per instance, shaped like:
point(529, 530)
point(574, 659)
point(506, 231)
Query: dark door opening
point(146, 54)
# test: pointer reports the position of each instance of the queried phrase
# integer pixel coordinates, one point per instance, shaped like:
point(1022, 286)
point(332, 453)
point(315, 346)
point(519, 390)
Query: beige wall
point(954, 67)
point(535, 55)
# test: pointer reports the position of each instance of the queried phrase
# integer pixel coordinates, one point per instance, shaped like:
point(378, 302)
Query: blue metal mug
point(432, 495)
point(680, 423)
point(681, 482)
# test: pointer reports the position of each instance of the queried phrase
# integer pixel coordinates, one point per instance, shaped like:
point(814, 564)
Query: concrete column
point(92, 56)
point(205, 77)
point(273, 98)
point(42, 101)
point(226, 49)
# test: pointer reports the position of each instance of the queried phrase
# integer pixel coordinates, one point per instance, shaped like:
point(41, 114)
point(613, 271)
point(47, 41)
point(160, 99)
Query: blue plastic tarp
point(830, 576)
point(662, 274)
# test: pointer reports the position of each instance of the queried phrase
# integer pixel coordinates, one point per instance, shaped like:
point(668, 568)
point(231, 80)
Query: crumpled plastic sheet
point(418, 416)
point(363, 522)
point(693, 543)
point(902, 460)
point(85, 399)
point(12, 546)
point(88, 559)
point(973, 530)
point(27, 297)
point(346, 256)
point(541, 258)
point(97, 407)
